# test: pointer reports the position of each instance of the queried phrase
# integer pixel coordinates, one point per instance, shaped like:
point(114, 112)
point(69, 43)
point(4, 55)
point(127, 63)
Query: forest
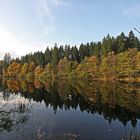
point(113, 58)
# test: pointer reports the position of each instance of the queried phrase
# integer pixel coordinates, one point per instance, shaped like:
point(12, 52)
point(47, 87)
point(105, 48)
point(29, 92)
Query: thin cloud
point(60, 2)
point(44, 15)
point(132, 11)
point(43, 10)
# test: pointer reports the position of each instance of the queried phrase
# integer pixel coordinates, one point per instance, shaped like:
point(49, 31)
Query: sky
point(31, 25)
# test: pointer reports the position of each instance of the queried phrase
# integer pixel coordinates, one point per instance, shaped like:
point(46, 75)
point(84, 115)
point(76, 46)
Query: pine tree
point(55, 57)
point(121, 42)
point(47, 56)
point(132, 41)
point(75, 54)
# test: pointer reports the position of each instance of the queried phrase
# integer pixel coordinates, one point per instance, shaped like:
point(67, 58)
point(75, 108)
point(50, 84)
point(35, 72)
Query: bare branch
point(137, 30)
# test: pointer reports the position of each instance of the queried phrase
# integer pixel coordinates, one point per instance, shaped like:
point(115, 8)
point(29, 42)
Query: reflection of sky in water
point(43, 123)
point(14, 99)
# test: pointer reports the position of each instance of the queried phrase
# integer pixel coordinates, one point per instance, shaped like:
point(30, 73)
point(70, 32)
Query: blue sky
point(31, 25)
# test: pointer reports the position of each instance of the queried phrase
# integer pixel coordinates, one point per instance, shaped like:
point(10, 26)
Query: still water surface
point(62, 110)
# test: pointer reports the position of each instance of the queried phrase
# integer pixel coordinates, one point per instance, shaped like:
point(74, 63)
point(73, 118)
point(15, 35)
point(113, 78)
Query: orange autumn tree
point(31, 67)
point(37, 84)
point(14, 69)
point(30, 72)
point(13, 85)
point(38, 70)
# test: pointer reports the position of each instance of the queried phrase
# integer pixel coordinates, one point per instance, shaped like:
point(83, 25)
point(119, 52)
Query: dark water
point(63, 110)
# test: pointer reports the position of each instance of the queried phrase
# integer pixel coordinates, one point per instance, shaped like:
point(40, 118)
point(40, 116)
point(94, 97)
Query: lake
point(65, 110)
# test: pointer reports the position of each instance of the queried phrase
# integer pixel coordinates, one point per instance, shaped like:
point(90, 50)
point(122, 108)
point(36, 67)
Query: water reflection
point(114, 101)
point(12, 112)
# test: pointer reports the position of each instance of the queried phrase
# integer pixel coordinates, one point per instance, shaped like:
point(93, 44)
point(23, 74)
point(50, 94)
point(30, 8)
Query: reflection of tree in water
point(9, 120)
point(13, 114)
point(133, 135)
point(13, 85)
point(111, 99)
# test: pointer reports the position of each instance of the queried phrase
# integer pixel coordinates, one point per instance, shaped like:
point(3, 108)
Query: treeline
point(78, 53)
point(112, 58)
